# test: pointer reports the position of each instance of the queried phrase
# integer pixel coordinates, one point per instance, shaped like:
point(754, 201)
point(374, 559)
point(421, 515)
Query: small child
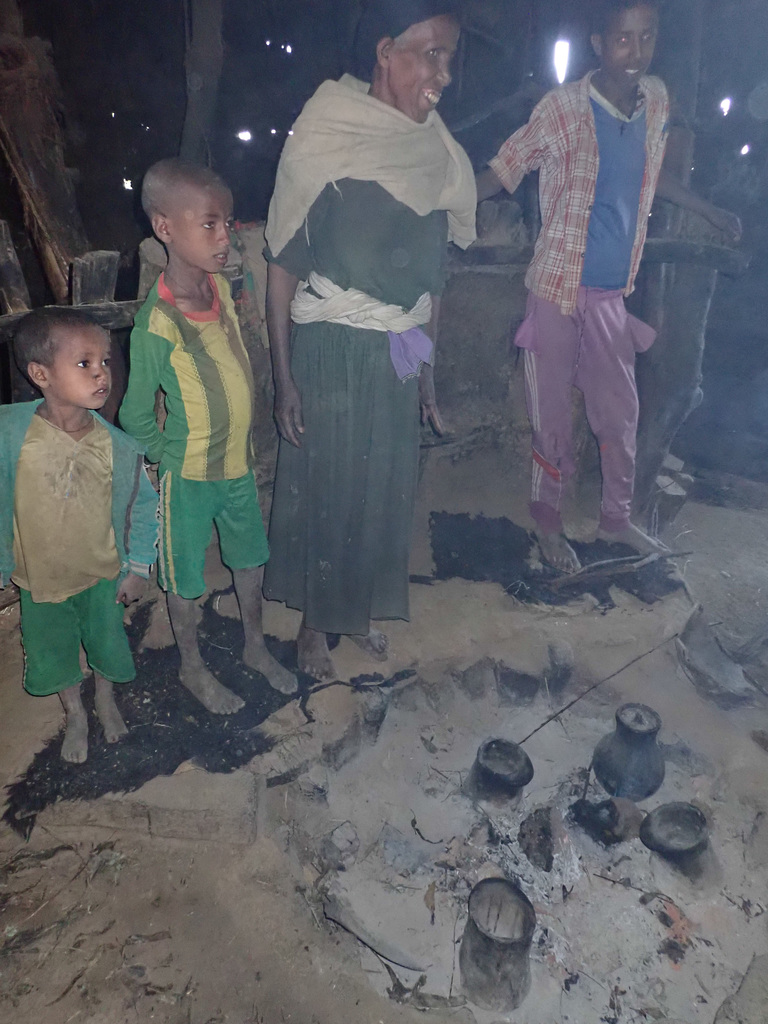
point(78, 520)
point(599, 144)
point(186, 341)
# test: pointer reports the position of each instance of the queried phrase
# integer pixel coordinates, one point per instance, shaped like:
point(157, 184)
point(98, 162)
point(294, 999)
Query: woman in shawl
point(370, 188)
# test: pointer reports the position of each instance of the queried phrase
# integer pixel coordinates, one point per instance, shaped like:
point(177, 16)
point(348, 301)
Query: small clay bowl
point(676, 830)
point(501, 769)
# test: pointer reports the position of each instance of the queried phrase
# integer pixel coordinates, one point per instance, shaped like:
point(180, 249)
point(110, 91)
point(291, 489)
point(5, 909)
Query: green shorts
point(189, 509)
point(52, 634)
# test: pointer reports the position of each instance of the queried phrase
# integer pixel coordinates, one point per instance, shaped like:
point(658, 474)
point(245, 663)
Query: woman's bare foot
point(375, 645)
point(111, 720)
point(260, 660)
point(314, 657)
point(557, 552)
point(635, 538)
point(212, 695)
point(75, 746)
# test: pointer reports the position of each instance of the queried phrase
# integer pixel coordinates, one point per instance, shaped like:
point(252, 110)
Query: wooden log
point(94, 277)
point(14, 293)
point(110, 315)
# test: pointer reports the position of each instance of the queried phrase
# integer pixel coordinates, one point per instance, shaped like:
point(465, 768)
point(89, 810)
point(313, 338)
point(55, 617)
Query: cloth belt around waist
point(319, 299)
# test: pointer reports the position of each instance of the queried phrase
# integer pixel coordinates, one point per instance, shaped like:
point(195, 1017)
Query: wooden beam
point(14, 294)
point(110, 315)
point(94, 277)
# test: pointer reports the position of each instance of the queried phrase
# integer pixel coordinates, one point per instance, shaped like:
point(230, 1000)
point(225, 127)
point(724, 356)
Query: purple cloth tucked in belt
point(408, 351)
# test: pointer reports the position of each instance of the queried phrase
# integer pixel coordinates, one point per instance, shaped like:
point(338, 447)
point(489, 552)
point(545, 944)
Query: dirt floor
point(206, 898)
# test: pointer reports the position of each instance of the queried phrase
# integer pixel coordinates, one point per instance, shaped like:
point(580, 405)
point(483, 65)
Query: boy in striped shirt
point(186, 342)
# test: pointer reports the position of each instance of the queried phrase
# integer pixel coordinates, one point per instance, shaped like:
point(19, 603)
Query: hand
point(130, 589)
point(725, 221)
point(429, 411)
point(288, 414)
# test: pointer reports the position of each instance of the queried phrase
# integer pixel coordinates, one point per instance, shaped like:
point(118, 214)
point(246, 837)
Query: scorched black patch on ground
point(166, 725)
point(496, 550)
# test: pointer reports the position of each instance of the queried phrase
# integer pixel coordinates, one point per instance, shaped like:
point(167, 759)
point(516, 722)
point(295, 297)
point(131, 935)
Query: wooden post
point(203, 62)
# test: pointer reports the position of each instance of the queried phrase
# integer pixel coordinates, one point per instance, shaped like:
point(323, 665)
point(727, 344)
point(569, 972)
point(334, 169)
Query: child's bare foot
point(557, 552)
point(257, 657)
point(75, 746)
point(111, 720)
point(375, 645)
point(314, 657)
point(635, 538)
point(212, 695)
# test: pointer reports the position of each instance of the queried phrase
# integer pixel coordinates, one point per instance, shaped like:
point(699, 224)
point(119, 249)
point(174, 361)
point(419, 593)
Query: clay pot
point(494, 955)
point(500, 771)
point(677, 830)
point(629, 762)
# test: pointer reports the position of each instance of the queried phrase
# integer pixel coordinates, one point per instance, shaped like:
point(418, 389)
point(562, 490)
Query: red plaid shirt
point(560, 140)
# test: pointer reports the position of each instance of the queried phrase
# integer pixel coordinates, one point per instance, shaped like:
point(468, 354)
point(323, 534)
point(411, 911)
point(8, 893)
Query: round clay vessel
point(675, 830)
point(501, 769)
point(629, 762)
point(494, 955)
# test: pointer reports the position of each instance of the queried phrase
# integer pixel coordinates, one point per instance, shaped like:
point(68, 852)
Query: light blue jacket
point(134, 500)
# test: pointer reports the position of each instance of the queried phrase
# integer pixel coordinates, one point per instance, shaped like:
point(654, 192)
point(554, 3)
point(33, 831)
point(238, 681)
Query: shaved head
point(165, 179)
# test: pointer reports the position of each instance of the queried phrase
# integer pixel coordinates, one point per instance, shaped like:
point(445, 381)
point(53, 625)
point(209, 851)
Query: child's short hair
point(167, 176)
point(36, 338)
point(605, 11)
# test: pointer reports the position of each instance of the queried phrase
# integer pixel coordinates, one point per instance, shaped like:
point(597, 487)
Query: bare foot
point(375, 645)
point(111, 720)
point(75, 746)
point(260, 660)
point(209, 691)
point(635, 538)
point(314, 657)
point(557, 552)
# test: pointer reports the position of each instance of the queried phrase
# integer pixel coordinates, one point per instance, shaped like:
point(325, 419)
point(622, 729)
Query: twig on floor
point(594, 686)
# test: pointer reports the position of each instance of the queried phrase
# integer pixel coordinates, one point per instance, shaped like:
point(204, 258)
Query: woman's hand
point(288, 414)
point(429, 411)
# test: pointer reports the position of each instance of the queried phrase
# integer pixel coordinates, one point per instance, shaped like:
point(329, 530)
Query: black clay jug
point(629, 762)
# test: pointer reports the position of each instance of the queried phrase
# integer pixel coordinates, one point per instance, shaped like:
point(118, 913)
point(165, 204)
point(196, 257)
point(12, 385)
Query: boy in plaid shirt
point(599, 145)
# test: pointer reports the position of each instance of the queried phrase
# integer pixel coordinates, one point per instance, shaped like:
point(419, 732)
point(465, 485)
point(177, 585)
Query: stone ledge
point(193, 805)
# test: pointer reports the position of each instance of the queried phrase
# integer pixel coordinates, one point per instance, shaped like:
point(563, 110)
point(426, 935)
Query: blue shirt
point(613, 221)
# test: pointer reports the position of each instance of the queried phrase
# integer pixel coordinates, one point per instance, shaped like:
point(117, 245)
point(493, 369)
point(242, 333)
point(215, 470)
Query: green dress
point(342, 511)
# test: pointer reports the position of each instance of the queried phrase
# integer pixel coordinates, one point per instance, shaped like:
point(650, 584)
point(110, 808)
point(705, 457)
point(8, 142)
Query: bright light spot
point(273, 131)
point(290, 131)
point(244, 135)
point(282, 47)
point(113, 113)
point(562, 51)
point(725, 105)
point(289, 48)
point(745, 149)
point(127, 184)
point(268, 42)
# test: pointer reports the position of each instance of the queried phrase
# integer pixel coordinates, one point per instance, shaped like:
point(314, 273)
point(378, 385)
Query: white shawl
point(343, 132)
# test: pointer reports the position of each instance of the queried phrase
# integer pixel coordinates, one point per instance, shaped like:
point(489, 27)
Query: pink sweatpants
point(592, 349)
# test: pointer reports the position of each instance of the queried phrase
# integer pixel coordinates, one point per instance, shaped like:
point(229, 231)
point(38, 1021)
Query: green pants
point(52, 635)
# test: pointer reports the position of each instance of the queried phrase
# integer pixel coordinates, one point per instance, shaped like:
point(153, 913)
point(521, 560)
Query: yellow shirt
point(63, 541)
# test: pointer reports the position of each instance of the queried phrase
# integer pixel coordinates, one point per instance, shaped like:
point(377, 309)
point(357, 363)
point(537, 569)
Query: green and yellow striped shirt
point(201, 365)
